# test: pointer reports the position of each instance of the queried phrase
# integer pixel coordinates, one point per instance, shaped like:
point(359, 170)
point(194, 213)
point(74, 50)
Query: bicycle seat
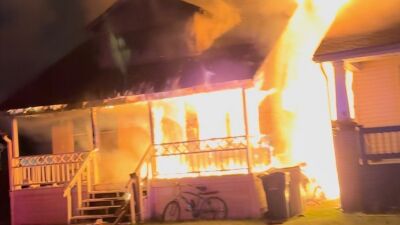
point(209, 193)
point(201, 188)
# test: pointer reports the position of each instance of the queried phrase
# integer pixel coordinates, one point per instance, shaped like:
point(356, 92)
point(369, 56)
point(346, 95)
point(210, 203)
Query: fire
point(300, 116)
point(206, 134)
point(298, 121)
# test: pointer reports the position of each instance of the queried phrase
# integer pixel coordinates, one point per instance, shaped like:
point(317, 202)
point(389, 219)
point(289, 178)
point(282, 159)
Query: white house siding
point(377, 92)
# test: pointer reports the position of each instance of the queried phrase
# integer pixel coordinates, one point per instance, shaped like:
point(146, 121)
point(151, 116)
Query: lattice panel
point(40, 160)
point(215, 144)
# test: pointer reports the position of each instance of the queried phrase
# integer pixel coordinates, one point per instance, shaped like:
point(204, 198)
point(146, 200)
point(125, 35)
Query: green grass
point(327, 213)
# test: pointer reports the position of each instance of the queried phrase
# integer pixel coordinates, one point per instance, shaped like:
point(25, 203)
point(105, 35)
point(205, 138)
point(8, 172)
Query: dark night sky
point(35, 34)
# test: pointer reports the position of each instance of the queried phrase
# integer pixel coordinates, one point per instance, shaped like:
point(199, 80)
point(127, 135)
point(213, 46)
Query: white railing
point(45, 170)
point(84, 177)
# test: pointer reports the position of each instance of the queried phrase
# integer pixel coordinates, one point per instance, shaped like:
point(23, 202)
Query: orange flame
point(209, 116)
point(300, 117)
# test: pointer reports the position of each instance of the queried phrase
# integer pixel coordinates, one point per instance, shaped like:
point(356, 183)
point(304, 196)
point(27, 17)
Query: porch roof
point(129, 98)
point(358, 46)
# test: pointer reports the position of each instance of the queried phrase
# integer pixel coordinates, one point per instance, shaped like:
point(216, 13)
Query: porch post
point(346, 143)
point(96, 138)
point(153, 166)
point(96, 144)
point(342, 102)
point(15, 140)
point(153, 159)
point(246, 128)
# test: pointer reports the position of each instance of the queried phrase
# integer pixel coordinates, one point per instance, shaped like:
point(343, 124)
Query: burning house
point(72, 159)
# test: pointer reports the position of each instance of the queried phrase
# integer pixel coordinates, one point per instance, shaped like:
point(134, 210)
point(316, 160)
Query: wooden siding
point(42, 206)
point(243, 194)
point(377, 92)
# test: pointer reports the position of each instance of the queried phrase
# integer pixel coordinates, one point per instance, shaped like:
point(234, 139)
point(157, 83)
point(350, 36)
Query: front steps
point(101, 205)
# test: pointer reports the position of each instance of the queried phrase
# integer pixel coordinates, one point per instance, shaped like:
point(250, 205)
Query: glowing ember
point(299, 116)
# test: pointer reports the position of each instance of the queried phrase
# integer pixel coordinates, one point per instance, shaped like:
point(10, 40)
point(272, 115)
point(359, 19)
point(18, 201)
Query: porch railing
point(379, 143)
point(45, 170)
point(227, 155)
point(84, 178)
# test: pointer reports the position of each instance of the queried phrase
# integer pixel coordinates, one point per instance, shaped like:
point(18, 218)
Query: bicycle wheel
point(172, 212)
point(214, 208)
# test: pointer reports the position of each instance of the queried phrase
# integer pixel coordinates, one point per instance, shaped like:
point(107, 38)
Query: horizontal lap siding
point(377, 92)
point(243, 194)
point(41, 206)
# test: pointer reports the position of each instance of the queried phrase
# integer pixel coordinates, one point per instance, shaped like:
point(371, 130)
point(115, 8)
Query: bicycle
point(202, 205)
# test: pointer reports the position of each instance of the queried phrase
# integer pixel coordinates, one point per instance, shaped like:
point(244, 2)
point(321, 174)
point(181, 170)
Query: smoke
point(60, 132)
point(366, 16)
point(93, 8)
point(216, 18)
point(261, 22)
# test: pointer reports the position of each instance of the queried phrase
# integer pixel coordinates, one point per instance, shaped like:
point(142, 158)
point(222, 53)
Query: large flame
point(296, 108)
point(299, 114)
point(218, 120)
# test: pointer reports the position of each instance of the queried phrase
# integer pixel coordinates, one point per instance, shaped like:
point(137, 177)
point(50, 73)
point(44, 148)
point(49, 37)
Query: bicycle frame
point(191, 199)
point(200, 204)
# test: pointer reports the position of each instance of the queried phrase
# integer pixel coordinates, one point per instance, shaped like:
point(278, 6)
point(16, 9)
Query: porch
point(94, 150)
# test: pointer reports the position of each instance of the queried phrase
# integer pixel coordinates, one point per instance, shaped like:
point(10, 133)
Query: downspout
point(10, 160)
point(10, 173)
point(327, 88)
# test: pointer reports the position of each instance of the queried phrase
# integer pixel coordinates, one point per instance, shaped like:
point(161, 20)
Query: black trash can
point(282, 190)
point(275, 191)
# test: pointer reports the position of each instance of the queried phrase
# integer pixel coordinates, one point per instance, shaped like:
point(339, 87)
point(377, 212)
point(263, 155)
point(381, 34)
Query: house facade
point(204, 135)
point(75, 162)
point(366, 77)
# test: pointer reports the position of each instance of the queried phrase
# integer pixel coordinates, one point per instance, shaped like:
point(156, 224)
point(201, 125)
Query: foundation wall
point(243, 195)
point(41, 206)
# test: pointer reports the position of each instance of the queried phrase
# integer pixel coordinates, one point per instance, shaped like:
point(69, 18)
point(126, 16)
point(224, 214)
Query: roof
point(78, 77)
point(380, 42)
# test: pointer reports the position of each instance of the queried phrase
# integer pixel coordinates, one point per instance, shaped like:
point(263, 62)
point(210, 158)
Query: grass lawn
point(326, 213)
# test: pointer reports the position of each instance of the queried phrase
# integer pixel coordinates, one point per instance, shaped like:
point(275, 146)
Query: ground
point(326, 213)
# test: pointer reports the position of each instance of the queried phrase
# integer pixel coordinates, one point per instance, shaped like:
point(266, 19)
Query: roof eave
point(359, 53)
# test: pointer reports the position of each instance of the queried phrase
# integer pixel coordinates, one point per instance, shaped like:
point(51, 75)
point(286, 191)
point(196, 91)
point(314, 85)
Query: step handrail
point(137, 192)
point(90, 167)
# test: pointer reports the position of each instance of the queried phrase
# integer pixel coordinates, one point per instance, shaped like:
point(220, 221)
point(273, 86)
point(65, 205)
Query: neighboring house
point(367, 144)
point(163, 125)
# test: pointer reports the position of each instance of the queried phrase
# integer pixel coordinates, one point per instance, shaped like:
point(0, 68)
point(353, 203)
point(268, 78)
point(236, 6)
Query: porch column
point(346, 143)
point(14, 136)
point(342, 102)
point(96, 144)
point(95, 130)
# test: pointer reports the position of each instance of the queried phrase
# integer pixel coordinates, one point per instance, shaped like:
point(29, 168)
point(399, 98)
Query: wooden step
point(103, 201)
point(90, 219)
point(98, 207)
point(109, 186)
point(107, 194)
point(97, 210)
